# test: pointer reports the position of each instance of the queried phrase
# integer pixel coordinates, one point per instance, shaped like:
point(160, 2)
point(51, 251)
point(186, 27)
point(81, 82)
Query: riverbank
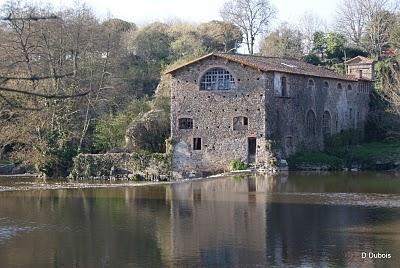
point(368, 156)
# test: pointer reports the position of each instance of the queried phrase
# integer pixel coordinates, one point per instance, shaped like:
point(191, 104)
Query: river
point(301, 219)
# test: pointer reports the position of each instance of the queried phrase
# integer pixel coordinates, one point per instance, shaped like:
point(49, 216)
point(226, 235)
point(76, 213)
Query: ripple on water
point(350, 199)
point(8, 232)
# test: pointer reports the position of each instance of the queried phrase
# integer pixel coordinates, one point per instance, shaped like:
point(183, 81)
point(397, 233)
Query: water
point(308, 220)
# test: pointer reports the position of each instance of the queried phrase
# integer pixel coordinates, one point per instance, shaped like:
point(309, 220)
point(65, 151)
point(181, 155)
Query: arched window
point(310, 122)
point(339, 86)
point(326, 84)
point(326, 124)
point(311, 84)
point(240, 123)
point(217, 79)
point(185, 123)
point(349, 87)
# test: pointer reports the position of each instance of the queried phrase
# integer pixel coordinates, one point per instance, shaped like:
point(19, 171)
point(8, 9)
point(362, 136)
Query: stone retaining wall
point(134, 166)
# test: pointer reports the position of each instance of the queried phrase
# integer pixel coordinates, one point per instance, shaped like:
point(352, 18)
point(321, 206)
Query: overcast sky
point(143, 11)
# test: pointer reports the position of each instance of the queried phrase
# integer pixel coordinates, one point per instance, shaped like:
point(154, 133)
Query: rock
point(148, 132)
point(20, 169)
point(6, 169)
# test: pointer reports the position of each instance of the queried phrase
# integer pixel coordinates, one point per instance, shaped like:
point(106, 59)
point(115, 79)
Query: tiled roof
point(274, 64)
point(359, 60)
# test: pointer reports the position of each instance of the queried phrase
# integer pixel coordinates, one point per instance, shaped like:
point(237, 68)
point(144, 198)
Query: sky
point(144, 11)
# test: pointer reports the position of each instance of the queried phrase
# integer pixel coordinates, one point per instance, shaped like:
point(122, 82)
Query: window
point(360, 73)
point(196, 144)
point(349, 87)
point(311, 84)
point(310, 122)
point(217, 79)
point(289, 144)
point(339, 86)
point(326, 124)
point(284, 91)
point(326, 85)
point(185, 123)
point(240, 123)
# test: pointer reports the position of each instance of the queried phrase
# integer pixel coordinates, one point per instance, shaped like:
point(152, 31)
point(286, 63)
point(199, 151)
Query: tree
point(45, 65)
point(220, 35)
point(367, 23)
point(378, 31)
point(310, 23)
point(253, 17)
point(351, 20)
point(335, 46)
point(319, 44)
point(284, 42)
point(151, 43)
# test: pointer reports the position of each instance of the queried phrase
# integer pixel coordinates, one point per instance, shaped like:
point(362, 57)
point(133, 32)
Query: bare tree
point(309, 23)
point(380, 22)
point(252, 16)
point(367, 23)
point(351, 20)
point(22, 71)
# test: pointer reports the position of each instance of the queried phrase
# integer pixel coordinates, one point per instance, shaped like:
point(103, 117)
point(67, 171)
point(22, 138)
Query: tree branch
point(35, 77)
point(46, 96)
point(29, 18)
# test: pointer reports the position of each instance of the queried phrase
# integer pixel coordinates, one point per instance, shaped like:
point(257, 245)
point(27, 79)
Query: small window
point(311, 84)
point(349, 87)
point(185, 123)
point(360, 73)
point(284, 92)
point(339, 86)
point(240, 123)
point(326, 84)
point(196, 144)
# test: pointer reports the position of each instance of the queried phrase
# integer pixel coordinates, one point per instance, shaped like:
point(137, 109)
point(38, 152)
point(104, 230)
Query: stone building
point(228, 107)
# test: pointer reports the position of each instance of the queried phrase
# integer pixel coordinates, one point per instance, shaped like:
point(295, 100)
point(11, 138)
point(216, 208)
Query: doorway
point(251, 150)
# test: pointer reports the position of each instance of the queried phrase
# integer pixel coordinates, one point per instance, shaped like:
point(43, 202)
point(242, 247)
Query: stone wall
point(135, 166)
point(287, 116)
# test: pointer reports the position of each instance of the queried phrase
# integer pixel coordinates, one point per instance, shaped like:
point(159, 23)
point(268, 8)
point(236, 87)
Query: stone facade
point(279, 113)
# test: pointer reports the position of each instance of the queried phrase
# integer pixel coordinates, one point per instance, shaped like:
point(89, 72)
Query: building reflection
point(219, 222)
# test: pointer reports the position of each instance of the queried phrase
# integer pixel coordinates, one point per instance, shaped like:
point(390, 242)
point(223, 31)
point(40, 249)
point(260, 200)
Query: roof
point(359, 60)
point(273, 64)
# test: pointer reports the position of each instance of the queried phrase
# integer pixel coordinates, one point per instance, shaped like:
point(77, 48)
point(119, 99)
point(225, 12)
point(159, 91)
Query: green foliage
point(335, 44)
point(314, 158)
point(237, 165)
point(312, 59)
point(284, 42)
point(220, 35)
point(110, 131)
point(319, 43)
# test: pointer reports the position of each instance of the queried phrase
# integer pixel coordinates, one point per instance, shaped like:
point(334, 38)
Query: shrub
point(110, 131)
point(238, 165)
point(314, 158)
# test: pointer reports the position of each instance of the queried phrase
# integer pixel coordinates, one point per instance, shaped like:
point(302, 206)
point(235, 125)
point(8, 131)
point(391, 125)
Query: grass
point(366, 154)
point(237, 165)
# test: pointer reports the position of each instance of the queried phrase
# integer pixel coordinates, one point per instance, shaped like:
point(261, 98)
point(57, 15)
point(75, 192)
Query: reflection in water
point(303, 219)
